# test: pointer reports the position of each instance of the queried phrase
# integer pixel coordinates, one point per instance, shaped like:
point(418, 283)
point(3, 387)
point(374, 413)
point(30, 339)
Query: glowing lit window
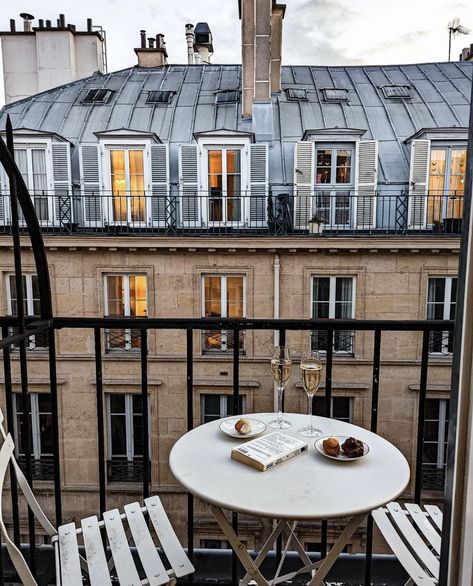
point(128, 200)
point(446, 183)
point(125, 296)
point(223, 296)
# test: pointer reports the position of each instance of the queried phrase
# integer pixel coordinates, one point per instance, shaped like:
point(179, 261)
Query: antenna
point(454, 29)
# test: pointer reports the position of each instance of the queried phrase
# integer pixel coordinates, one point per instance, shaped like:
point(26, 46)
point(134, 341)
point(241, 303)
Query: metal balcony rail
point(375, 332)
point(336, 211)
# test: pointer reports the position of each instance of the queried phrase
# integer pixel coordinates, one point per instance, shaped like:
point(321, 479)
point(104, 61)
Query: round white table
point(309, 486)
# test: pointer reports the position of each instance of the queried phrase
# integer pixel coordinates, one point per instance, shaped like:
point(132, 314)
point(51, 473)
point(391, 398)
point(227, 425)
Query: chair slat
point(152, 563)
point(124, 564)
point(96, 560)
point(176, 555)
point(71, 574)
point(435, 514)
point(400, 550)
point(420, 518)
point(407, 530)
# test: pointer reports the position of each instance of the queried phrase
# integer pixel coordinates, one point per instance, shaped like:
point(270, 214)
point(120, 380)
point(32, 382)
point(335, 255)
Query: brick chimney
point(261, 33)
point(154, 53)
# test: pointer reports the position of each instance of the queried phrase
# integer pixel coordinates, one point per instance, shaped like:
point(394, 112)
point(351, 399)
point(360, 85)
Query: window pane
point(437, 162)
point(324, 166)
point(432, 409)
point(138, 303)
point(211, 410)
point(117, 164)
point(38, 160)
point(215, 171)
point(116, 295)
point(212, 293)
point(118, 431)
point(235, 297)
point(117, 403)
point(233, 161)
point(343, 166)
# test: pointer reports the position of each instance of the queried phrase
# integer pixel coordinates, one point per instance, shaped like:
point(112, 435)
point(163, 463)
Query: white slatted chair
point(414, 535)
point(116, 527)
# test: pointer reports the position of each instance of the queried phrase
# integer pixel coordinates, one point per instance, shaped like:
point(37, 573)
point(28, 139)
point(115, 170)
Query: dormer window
point(97, 96)
point(296, 94)
point(227, 97)
point(335, 95)
point(159, 97)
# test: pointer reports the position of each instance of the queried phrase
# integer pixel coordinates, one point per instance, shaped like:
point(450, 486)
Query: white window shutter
point(303, 183)
point(4, 197)
point(159, 185)
point(258, 184)
point(189, 185)
point(366, 184)
point(62, 182)
point(418, 184)
point(90, 184)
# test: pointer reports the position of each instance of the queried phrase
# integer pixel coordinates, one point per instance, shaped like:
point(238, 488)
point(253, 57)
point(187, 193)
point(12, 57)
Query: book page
point(269, 448)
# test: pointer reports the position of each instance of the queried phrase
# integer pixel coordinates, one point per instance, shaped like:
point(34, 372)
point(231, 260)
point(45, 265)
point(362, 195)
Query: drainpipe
point(276, 295)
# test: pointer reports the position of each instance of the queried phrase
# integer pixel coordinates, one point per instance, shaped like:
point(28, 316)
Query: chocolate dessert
point(353, 448)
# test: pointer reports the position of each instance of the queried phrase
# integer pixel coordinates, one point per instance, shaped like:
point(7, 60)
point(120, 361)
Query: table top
point(308, 486)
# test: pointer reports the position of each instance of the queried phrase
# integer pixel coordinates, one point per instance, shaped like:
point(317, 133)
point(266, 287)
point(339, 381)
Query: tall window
point(223, 296)
point(214, 407)
point(125, 296)
point(434, 451)
point(31, 303)
point(333, 297)
point(224, 180)
point(125, 443)
point(340, 408)
point(446, 183)
point(441, 303)
point(128, 185)
point(333, 181)
point(41, 435)
point(32, 164)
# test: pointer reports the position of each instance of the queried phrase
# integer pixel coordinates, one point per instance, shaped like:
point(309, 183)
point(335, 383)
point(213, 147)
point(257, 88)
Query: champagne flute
point(281, 370)
point(311, 371)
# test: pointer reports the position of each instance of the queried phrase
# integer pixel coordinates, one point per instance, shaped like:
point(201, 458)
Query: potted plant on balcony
point(437, 226)
point(316, 224)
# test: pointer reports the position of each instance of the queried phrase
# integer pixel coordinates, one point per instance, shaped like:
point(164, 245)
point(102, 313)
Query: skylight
point(97, 96)
point(335, 95)
point(227, 97)
point(159, 97)
point(396, 91)
point(296, 94)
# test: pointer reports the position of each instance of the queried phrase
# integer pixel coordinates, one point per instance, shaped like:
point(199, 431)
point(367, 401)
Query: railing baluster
point(55, 424)
point(421, 416)
point(100, 419)
point(236, 411)
point(190, 425)
point(145, 404)
point(11, 430)
point(374, 427)
point(327, 413)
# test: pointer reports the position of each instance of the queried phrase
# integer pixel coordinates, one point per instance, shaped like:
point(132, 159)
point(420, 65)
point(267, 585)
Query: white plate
point(341, 456)
point(228, 427)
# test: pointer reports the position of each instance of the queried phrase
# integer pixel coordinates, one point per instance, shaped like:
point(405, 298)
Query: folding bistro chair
point(414, 535)
point(115, 527)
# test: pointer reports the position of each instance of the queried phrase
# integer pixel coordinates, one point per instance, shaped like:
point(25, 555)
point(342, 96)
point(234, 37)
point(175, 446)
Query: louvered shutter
point(258, 184)
point(159, 185)
point(303, 182)
point(90, 184)
point(4, 197)
point(189, 185)
point(418, 184)
point(366, 184)
point(62, 183)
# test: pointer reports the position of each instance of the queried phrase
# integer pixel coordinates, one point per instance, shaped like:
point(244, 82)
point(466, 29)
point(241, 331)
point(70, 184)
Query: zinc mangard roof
point(440, 95)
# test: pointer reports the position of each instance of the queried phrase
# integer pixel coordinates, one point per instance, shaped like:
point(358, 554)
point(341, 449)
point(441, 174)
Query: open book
point(269, 450)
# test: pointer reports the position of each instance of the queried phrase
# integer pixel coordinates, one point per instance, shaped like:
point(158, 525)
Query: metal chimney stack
point(190, 43)
point(27, 22)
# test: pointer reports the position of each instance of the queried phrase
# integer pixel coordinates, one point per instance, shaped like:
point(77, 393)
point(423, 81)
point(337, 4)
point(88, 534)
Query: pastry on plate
point(243, 426)
point(353, 448)
point(331, 446)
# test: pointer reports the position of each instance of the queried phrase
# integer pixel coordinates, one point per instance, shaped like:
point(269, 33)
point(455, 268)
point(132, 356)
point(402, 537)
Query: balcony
point(323, 213)
point(366, 563)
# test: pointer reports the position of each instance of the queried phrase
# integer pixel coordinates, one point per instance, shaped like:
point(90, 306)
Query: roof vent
point(335, 95)
point(397, 91)
point(296, 94)
point(227, 97)
point(159, 97)
point(96, 96)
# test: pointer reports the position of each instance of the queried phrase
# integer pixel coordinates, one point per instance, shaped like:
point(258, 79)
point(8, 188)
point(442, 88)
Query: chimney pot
point(143, 39)
point(72, 27)
point(27, 21)
point(41, 23)
point(89, 25)
point(12, 25)
point(62, 21)
point(151, 41)
point(58, 23)
point(48, 24)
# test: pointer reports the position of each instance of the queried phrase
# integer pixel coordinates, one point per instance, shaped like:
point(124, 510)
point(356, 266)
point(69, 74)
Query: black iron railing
point(335, 211)
point(110, 471)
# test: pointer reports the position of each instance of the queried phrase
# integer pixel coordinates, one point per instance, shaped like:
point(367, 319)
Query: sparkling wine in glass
point(281, 370)
point(311, 373)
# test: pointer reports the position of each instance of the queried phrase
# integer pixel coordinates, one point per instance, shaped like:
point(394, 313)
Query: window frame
point(223, 410)
point(129, 426)
point(332, 306)
point(332, 399)
point(447, 306)
point(126, 304)
point(223, 298)
point(28, 293)
point(36, 453)
point(125, 144)
point(441, 440)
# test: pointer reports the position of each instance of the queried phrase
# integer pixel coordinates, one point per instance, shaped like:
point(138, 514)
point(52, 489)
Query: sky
point(329, 32)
